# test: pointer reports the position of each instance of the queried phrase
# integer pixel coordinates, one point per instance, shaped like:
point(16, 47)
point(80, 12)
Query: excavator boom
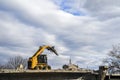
point(42, 48)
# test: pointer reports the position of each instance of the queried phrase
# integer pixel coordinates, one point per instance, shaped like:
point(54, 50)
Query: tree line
point(14, 63)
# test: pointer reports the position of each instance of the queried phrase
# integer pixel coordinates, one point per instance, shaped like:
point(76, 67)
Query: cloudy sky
point(83, 30)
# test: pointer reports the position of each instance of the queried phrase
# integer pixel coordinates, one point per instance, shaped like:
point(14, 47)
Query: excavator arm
point(42, 48)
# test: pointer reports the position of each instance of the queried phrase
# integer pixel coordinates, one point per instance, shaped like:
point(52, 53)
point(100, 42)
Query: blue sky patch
point(67, 6)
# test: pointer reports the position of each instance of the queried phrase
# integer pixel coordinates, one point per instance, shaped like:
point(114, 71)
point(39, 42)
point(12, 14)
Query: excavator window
point(42, 59)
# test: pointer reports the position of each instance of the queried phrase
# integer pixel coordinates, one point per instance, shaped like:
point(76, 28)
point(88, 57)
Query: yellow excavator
point(38, 60)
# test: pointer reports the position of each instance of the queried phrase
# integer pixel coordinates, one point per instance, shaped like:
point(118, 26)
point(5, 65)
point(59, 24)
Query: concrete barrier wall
point(54, 76)
point(48, 76)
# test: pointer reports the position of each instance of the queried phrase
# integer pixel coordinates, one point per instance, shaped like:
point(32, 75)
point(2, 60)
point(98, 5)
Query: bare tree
point(16, 61)
point(113, 59)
